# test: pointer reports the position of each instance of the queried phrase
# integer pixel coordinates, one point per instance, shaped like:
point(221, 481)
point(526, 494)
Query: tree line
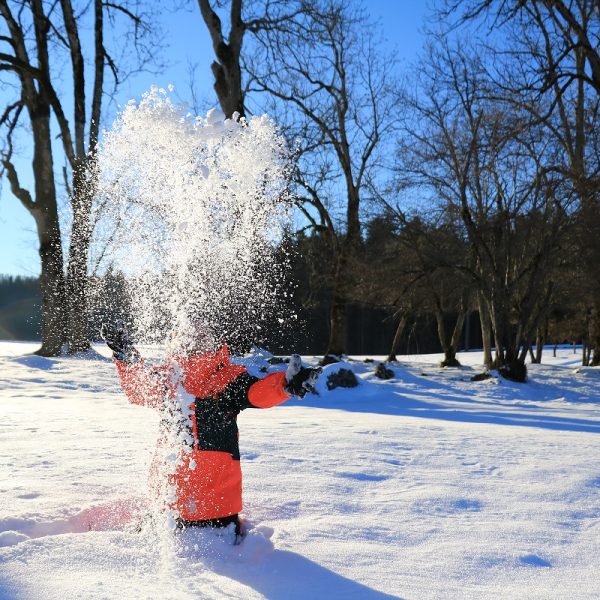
point(467, 185)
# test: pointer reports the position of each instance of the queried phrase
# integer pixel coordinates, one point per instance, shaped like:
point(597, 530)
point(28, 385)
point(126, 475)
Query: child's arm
point(247, 391)
point(268, 391)
point(143, 386)
point(279, 387)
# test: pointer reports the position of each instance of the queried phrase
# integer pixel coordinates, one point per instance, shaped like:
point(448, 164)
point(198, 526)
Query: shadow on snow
point(505, 403)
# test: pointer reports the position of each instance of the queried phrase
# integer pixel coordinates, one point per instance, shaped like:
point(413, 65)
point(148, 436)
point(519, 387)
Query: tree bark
point(35, 96)
point(397, 337)
point(226, 69)
point(595, 332)
point(484, 319)
point(338, 316)
point(450, 359)
point(539, 347)
point(48, 229)
point(52, 290)
point(77, 265)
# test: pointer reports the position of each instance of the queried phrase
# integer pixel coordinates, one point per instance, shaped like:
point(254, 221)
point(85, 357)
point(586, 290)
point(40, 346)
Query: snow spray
point(193, 209)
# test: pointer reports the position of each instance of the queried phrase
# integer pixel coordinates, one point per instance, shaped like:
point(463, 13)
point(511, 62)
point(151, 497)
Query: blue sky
point(187, 41)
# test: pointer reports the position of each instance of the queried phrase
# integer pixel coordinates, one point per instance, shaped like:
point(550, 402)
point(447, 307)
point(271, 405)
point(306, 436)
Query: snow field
point(424, 486)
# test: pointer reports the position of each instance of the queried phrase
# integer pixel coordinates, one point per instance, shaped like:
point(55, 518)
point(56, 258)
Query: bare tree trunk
point(595, 335)
point(539, 347)
point(527, 348)
point(397, 337)
point(484, 319)
point(441, 331)
point(338, 322)
point(449, 348)
point(52, 291)
point(498, 341)
point(48, 228)
point(77, 276)
point(455, 340)
point(43, 206)
point(338, 316)
point(226, 69)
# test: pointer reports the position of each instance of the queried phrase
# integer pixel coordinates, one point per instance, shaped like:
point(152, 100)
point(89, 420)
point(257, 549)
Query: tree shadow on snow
point(35, 362)
point(286, 575)
point(511, 404)
point(12, 591)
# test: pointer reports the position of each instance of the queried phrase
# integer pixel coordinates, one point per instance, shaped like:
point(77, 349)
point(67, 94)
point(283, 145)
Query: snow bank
point(424, 486)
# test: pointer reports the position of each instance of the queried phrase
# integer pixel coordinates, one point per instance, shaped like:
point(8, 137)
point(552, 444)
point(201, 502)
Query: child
point(195, 474)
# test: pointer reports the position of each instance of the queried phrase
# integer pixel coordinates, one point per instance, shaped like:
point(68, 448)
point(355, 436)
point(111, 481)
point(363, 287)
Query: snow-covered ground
point(424, 486)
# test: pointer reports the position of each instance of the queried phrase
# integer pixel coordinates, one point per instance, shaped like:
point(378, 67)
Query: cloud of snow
point(194, 207)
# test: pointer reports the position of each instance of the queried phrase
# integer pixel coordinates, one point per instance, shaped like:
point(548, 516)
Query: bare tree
point(226, 69)
point(486, 164)
point(37, 98)
point(332, 93)
point(30, 59)
point(227, 72)
point(441, 258)
point(424, 268)
point(552, 53)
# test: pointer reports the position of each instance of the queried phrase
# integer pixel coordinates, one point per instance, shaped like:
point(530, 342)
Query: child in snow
point(195, 472)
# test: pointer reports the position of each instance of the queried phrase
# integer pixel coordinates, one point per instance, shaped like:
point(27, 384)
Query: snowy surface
point(424, 486)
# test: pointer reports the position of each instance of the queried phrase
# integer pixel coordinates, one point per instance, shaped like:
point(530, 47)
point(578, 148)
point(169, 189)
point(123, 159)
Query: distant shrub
point(344, 378)
point(514, 371)
point(382, 372)
point(329, 359)
point(481, 376)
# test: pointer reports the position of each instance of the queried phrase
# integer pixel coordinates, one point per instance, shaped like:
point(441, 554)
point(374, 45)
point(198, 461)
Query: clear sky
point(186, 42)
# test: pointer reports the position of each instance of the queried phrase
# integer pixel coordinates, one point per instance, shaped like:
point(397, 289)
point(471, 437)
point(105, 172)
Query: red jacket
point(196, 466)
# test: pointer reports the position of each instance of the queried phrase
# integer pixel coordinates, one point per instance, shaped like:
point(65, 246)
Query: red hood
point(208, 374)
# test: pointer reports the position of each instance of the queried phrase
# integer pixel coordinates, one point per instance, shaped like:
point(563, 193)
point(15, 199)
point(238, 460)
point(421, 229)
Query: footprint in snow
point(363, 476)
point(533, 560)
point(481, 470)
point(208, 546)
point(12, 538)
point(447, 506)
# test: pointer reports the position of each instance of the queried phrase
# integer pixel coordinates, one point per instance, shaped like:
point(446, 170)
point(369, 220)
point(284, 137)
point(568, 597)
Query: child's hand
point(117, 339)
point(300, 380)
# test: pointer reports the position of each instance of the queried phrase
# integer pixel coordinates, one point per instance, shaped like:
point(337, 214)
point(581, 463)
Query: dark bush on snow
point(344, 378)
point(382, 372)
point(481, 376)
point(329, 359)
point(514, 371)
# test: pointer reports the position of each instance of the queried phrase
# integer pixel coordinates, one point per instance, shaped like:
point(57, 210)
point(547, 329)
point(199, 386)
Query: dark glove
point(299, 379)
point(117, 339)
